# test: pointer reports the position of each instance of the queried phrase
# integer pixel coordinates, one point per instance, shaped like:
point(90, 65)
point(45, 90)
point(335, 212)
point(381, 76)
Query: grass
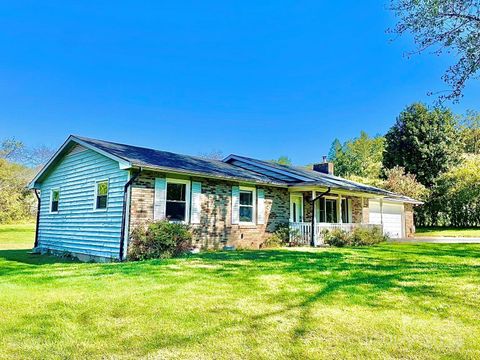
point(447, 232)
point(416, 301)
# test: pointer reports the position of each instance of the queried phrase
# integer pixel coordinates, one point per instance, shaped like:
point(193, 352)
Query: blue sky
point(262, 79)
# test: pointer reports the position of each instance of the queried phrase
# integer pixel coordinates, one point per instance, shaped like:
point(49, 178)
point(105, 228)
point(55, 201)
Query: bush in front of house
point(283, 236)
point(336, 237)
point(360, 236)
point(159, 240)
point(367, 236)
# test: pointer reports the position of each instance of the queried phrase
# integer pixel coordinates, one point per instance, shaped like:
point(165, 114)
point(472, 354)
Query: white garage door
point(393, 223)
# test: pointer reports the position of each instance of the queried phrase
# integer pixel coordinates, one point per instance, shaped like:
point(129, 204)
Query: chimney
point(324, 167)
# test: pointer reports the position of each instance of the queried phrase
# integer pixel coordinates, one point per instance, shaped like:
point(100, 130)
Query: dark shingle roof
point(314, 178)
point(257, 171)
point(144, 157)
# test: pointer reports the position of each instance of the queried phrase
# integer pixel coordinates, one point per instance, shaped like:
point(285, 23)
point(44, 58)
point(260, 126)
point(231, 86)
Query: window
point(101, 195)
point(178, 198)
point(54, 198)
point(345, 211)
point(331, 210)
point(246, 207)
point(328, 210)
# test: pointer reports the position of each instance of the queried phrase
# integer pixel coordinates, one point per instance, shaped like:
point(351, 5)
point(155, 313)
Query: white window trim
point(96, 193)
point(254, 205)
point(51, 200)
point(188, 199)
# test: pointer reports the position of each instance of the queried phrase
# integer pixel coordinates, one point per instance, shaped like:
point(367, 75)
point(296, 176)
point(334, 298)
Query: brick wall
point(409, 223)
point(215, 229)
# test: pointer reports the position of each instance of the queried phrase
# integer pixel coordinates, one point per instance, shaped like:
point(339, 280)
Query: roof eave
point(207, 176)
point(123, 163)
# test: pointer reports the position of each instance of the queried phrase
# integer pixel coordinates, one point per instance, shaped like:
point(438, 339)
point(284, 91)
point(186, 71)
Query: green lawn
point(447, 232)
point(415, 301)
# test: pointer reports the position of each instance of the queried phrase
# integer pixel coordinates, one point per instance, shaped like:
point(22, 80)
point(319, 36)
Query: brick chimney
point(324, 167)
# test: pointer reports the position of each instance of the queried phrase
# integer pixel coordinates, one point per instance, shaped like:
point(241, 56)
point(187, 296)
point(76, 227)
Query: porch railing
point(301, 232)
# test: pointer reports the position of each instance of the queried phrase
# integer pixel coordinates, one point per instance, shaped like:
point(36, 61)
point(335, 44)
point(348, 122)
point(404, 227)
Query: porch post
point(339, 209)
point(313, 241)
point(381, 211)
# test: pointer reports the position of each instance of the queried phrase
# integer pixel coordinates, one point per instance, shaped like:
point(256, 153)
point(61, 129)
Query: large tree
point(422, 141)
point(361, 156)
point(450, 26)
point(469, 132)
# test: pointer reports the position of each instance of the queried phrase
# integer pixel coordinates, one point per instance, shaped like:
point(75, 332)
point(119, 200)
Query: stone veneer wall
point(409, 223)
point(215, 228)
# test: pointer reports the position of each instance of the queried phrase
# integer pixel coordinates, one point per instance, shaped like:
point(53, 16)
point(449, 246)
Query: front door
point(296, 208)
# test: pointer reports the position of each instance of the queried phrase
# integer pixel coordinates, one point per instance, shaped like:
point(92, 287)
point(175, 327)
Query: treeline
point(18, 165)
point(429, 154)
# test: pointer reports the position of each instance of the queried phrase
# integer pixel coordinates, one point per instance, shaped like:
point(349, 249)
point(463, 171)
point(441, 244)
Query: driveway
point(440, 240)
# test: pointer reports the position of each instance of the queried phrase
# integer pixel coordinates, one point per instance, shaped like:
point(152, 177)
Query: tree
point(422, 141)
point(451, 26)
point(361, 156)
point(469, 132)
point(10, 149)
point(16, 201)
point(282, 160)
point(457, 193)
point(16, 162)
point(403, 183)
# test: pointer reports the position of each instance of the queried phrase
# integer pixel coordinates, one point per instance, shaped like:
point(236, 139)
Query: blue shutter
point(260, 206)
point(196, 202)
point(160, 199)
point(235, 204)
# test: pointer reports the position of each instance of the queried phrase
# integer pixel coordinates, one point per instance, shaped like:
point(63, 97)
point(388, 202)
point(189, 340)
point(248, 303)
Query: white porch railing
point(301, 232)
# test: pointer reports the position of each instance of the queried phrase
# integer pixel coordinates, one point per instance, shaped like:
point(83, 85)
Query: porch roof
point(336, 183)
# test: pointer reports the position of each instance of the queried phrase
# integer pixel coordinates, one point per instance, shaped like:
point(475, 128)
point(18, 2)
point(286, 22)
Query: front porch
point(312, 212)
point(302, 231)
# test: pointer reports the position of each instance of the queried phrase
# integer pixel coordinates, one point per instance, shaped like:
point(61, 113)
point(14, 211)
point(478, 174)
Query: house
point(93, 192)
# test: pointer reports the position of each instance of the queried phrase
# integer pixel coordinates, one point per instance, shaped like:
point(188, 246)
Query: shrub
point(282, 236)
point(336, 237)
point(360, 236)
point(159, 240)
point(367, 236)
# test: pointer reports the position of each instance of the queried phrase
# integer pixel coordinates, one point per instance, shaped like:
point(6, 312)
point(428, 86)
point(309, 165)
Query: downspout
point(312, 240)
point(124, 211)
point(35, 244)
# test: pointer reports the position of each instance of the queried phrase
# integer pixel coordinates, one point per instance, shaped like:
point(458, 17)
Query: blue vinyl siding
point(78, 227)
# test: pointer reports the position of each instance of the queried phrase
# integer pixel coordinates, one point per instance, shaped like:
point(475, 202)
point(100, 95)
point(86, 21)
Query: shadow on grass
point(293, 283)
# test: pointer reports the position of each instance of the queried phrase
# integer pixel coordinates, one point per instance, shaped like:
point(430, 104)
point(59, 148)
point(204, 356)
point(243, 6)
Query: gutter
point(312, 240)
point(35, 244)
point(124, 211)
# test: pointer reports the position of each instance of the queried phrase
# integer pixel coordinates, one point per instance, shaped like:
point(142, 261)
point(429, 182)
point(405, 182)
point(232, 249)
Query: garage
point(391, 215)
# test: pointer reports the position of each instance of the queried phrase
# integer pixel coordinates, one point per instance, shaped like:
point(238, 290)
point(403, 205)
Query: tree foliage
point(282, 160)
point(16, 170)
point(405, 184)
point(16, 201)
point(456, 199)
point(469, 132)
point(422, 141)
point(451, 26)
point(361, 156)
